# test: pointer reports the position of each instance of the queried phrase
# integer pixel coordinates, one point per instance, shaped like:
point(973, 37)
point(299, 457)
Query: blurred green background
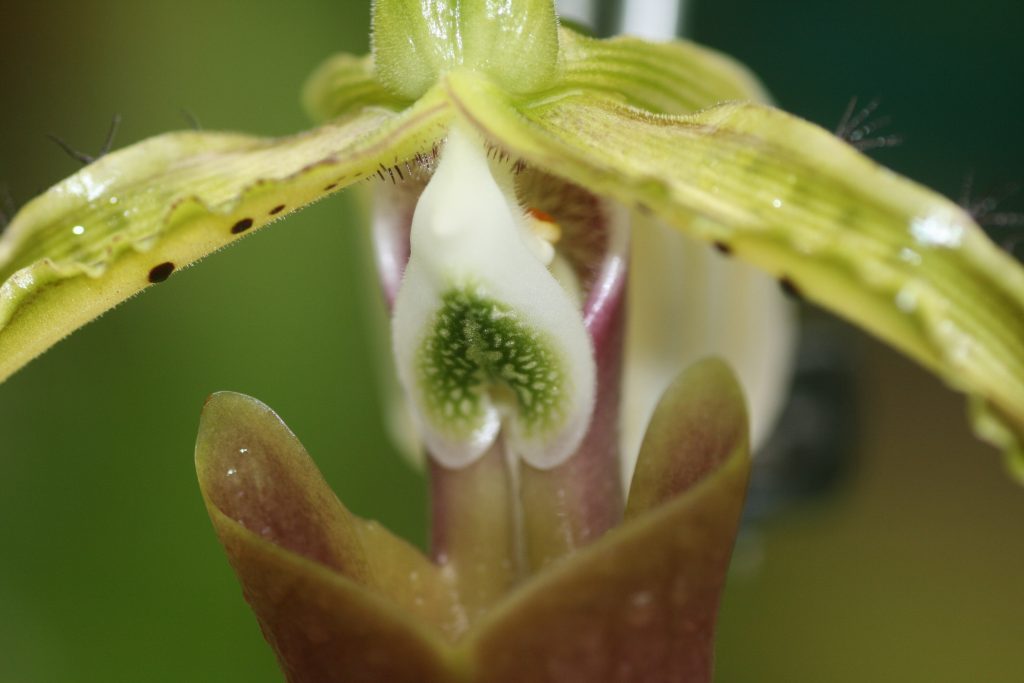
point(109, 570)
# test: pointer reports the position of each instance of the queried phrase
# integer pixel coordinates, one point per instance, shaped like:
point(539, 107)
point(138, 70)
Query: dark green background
point(108, 568)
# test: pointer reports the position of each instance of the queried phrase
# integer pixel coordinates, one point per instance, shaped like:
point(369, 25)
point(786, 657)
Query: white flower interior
point(488, 344)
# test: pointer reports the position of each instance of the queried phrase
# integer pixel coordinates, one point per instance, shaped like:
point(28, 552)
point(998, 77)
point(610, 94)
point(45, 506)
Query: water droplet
point(936, 231)
point(957, 344)
point(232, 471)
point(906, 300)
point(144, 244)
point(777, 203)
point(78, 230)
point(910, 256)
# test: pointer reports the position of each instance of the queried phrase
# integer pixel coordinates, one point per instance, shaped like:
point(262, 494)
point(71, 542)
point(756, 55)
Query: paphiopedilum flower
point(508, 149)
point(672, 130)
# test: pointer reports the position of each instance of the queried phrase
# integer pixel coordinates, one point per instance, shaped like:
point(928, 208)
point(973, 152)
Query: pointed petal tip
point(228, 416)
point(254, 471)
point(700, 423)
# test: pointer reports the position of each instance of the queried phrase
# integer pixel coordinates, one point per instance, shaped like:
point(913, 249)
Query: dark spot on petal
point(644, 209)
point(277, 209)
point(790, 289)
point(161, 272)
point(722, 248)
point(330, 187)
point(241, 226)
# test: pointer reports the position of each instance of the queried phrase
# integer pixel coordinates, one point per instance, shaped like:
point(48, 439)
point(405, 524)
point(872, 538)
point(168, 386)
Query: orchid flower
point(508, 154)
point(672, 131)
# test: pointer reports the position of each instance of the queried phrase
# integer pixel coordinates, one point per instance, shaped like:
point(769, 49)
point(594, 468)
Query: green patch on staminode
point(478, 346)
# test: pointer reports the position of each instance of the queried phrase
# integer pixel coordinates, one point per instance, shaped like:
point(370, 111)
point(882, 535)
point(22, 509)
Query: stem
point(474, 529)
point(569, 506)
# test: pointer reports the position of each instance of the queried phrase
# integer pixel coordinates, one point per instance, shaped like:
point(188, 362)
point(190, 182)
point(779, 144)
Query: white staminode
point(486, 341)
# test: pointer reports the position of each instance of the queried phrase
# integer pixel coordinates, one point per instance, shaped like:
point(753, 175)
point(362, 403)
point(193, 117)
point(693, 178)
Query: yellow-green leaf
point(139, 214)
point(897, 259)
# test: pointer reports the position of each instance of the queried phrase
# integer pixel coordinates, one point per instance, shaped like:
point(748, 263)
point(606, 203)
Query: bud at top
point(415, 42)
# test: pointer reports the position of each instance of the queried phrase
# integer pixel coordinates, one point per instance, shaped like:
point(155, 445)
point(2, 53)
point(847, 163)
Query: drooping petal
point(789, 197)
point(485, 337)
point(639, 605)
point(138, 214)
point(338, 598)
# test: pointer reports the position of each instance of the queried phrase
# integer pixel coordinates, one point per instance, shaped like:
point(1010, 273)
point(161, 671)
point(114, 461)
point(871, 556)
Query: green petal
point(138, 214)
point(755, 333)
point(668, 78)
point(640, 603)
point(337, 597)
point(889, 255)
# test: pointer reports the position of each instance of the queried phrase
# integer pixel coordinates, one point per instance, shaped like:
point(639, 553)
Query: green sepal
point(415, 42)
point(891, 256)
